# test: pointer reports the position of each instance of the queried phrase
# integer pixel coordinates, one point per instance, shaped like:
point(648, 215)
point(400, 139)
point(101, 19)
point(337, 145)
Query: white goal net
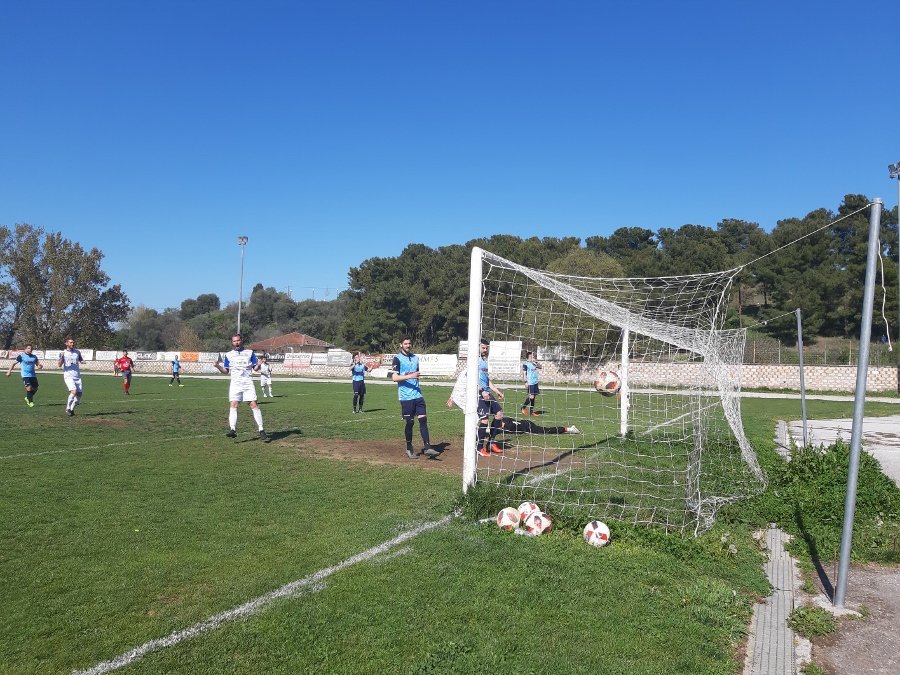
point(667, 449)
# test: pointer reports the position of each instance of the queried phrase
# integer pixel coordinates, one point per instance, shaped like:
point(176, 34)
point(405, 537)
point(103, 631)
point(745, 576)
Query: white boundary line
point(313, 581)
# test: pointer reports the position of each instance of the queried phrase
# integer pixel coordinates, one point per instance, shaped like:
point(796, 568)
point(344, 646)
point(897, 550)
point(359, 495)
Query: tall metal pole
point(802, 381)
point(242, 242)
point(859, 400)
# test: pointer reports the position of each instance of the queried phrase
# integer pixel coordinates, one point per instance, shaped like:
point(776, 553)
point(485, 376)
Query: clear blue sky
point(330, 132)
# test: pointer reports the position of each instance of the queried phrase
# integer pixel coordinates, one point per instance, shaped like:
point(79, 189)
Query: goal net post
point(667, 448)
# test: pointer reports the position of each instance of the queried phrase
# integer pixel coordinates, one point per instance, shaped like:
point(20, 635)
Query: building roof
point(293, 340)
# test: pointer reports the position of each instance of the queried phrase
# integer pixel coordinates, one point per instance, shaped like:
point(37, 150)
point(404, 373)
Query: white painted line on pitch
point(313, 581)
point(100, 447)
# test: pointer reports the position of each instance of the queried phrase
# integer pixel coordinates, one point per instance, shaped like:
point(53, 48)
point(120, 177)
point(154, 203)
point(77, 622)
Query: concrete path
point(773, 646)
point(880, 438)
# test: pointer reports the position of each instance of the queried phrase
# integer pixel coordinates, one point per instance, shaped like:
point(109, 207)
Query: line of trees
point(50, 287)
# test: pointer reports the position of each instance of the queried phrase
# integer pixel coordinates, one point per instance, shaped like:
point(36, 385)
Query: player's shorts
point(264, 380)
point(242, 391)
point(487, 408)
point(126, 374)
point(73, 381)
point(30, 382)
point(533, 390)
point(359, 387)
point(413, 408)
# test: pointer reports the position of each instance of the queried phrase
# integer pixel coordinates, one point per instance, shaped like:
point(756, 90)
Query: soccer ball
point(596, 533)
point(526, 509)
point(538, 523)
point(508, 519)
point(607, 382)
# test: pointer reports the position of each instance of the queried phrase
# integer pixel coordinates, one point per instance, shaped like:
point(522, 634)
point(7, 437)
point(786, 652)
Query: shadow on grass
point(814, 554)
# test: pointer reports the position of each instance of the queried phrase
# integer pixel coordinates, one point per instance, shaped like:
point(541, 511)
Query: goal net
point(667, 449)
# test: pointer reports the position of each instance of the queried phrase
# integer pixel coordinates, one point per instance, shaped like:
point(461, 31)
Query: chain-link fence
point(826, 352)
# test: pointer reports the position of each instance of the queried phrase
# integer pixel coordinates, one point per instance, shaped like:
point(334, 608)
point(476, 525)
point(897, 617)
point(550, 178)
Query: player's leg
point(408, 411)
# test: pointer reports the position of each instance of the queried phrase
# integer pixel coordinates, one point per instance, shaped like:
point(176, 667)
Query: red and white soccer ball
point(596, 533)
point(607, 382)
point(538, 523)
point(508, 519)
point(526, 509)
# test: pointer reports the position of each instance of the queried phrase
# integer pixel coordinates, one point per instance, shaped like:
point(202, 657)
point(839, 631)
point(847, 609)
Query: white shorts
point(73, 381)
point(242, 391)
point(265, 381)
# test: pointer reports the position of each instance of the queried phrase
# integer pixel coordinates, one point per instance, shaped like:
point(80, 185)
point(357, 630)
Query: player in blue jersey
point(509, 425)
point(240, 363)
point(70, 361)
point(359, 370)
point(487, 405)
point(530, 374)
point(176, 372)
point(405, 372)
point(29, 362)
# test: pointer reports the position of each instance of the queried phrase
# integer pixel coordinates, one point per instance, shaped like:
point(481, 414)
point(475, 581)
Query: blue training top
point(359, 371)
point(28, 361)
point(531, 372)
point(408, 390)
point(484, 378)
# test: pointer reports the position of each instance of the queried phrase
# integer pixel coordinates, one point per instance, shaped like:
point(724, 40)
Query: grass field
point(138, 520)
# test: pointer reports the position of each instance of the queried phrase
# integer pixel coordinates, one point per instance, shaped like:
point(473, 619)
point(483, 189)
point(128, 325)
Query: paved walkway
point(773, 646)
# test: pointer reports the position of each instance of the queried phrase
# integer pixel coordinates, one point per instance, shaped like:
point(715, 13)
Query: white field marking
point(539, 478)
point(670, 422)
point(100, 447)
point(314, 581)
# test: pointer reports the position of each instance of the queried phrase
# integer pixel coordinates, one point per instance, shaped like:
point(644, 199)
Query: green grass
point(138, 518)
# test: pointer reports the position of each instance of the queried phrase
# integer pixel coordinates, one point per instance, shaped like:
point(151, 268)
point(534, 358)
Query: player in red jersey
point(124, 366)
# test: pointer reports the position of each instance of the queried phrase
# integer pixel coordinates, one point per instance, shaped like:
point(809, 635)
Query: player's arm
point(59, 361)
point(10, 369)
point(497, 392)
point(38, 365)
point(221, 367)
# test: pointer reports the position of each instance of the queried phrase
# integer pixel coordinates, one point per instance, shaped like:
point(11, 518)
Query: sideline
point(312, 582)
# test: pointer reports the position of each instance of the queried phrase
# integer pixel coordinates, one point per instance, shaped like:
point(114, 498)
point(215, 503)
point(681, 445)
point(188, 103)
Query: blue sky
point(332, 132)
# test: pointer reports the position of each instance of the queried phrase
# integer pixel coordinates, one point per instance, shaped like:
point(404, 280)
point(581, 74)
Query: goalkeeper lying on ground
point(510, 425)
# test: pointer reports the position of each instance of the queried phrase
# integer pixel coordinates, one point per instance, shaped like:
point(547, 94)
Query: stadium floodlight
point(242, 242)
point(894, 170)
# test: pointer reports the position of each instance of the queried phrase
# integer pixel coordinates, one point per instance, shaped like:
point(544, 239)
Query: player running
point(70, 361)
point(124, 366)
point(265, 376)
point(29, 362)
point(240, 363)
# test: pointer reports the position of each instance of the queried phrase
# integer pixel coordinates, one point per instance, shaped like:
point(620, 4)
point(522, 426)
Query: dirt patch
point(869, 644)
point(383, 452)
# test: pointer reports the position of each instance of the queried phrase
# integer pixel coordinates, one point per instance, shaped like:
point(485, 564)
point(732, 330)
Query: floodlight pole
point(242, 242)
point(859, 400)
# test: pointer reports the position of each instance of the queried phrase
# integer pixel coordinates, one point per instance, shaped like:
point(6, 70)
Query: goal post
point(669, 449)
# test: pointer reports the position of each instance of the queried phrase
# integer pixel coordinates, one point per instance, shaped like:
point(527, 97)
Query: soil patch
point(870, 644)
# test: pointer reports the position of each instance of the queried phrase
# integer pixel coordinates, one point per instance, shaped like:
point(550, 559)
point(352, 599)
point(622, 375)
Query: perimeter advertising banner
point(505, 357)
point(438, 365)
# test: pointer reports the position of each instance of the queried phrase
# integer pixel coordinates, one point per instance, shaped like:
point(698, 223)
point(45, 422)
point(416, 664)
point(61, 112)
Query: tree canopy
point(51, 287)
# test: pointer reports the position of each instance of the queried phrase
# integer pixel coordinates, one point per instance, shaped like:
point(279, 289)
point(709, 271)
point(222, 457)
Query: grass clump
point(806, 498)
point(812, 622)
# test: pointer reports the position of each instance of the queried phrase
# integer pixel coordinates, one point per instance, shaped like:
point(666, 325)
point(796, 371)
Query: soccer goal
point(660, 441)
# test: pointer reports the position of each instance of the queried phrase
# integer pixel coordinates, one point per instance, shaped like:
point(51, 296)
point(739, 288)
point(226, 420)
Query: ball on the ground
point(607, 382)
point(526, 509)
point(508, 519)
point(596, 533)
point(538, 523)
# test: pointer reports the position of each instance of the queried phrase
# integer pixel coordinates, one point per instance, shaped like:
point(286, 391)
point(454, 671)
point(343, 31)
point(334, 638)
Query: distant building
point(292, 342)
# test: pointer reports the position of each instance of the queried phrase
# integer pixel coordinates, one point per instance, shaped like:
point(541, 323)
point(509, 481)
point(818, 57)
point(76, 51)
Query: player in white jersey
point(240, 363)
point(265, 376)
point(70, 361)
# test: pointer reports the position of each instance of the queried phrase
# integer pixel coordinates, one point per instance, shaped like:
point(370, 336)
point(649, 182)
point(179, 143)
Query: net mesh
point(669, 448)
